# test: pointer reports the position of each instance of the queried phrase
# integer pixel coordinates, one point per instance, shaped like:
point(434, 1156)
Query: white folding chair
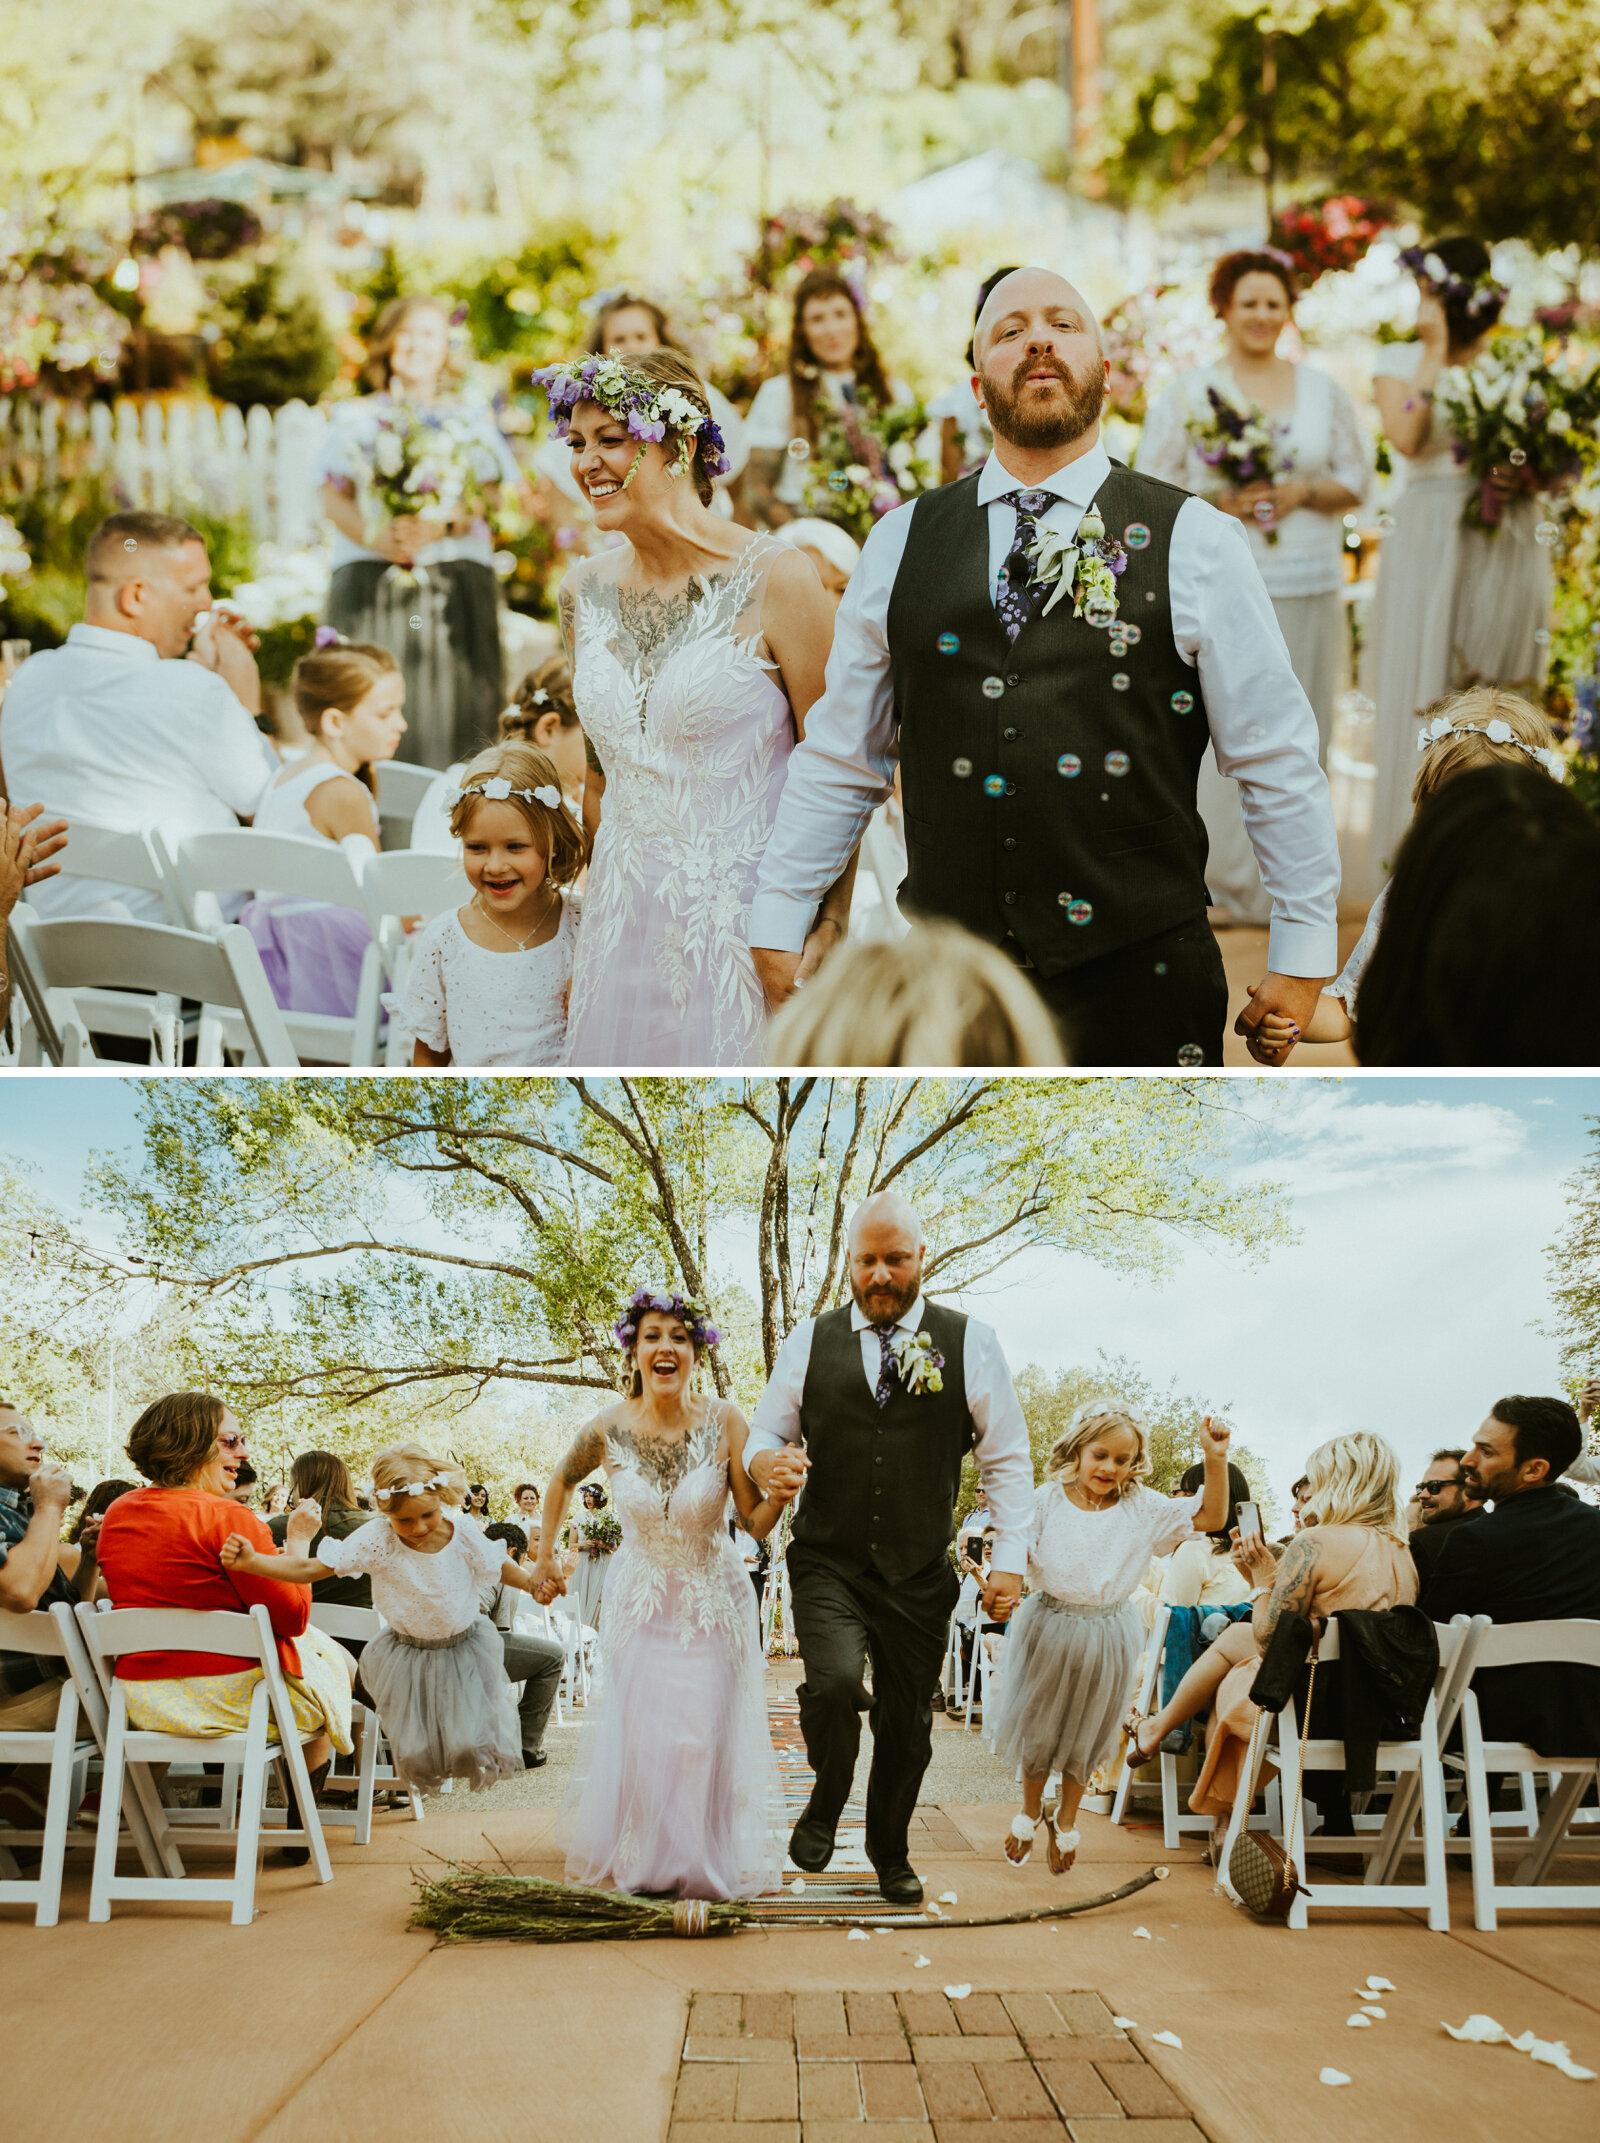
point(398, 884)
point(65, 1750)
point(249, 1639)
point(112, 854)
point(401, 787)
point(1176, 1819)
point(362, 1624)
point(148, 1827)
point(1527, 1644)
point(54, 961)
point(1381, 1849)
point(304, 868)
point(951, 1679)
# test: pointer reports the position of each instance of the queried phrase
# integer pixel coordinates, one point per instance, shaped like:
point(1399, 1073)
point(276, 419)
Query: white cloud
point(1338, 1138)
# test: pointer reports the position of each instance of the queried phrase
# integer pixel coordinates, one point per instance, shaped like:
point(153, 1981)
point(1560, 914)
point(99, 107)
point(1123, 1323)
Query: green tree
point(1573, 1264)
point(339, 1240)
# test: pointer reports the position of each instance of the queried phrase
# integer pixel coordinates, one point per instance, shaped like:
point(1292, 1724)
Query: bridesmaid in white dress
point(1302, 564)
point(673, 1787)
point(1454, 606)
point(697, 650)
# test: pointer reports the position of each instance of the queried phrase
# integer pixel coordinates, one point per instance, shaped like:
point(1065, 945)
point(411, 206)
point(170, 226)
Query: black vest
point(1048, 807)
point(884, 1480)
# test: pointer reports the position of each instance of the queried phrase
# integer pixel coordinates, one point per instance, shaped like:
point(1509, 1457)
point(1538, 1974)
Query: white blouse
point(1323, 442)
point(1098, 1558)
point(1197, 1576)
point(419, 1595)
point(491, 1008)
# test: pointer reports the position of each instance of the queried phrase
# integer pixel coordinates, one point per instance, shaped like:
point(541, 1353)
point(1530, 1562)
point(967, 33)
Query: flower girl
point(437, 1672)
point(489, 982)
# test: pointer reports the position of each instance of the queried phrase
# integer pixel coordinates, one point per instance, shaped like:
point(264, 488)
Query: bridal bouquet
point(432, 464)
point(1244, 446)
point(864, 464)
point(599, 1534)
point(1519, 408)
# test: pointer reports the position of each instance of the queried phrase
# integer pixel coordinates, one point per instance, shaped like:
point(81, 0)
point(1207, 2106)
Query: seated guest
point(321, 1478)
point(245, 1482)
point(162, 1546)
point(1534, 1558)
point(1351, 1554)
point(1445, 1502)
point(86, 1526)
point(500, 1602)
point(1200, 1572)
point(131, 726)
point(35, 1571)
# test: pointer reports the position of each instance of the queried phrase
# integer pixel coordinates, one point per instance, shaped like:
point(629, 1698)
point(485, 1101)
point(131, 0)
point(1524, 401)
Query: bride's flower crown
point(1478, 294)
point(649, 409)
point(1498, 732)
point(689, 1314)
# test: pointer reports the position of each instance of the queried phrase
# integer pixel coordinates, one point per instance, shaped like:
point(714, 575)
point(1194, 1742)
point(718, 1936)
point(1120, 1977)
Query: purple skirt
point(311, 951)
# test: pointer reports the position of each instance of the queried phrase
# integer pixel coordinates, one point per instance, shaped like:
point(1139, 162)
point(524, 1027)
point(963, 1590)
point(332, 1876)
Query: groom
point(869, 1563)
point(1049, 760)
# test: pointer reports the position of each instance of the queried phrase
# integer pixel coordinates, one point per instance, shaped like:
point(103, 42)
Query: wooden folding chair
point(249, 1639)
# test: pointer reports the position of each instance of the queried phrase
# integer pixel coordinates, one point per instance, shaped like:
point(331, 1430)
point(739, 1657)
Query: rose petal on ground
point(919, 1962)
point(948, 1897)
point(1381, 1986)
point(1480, 2031)
point(1168, 2038)
point(1554, 2054)
point(959, 1994)
point(1371, 2009)
point(1143, 1934)
point(1125, 2023)
point(1361, 2023)
point(858, 1934)
point(937, 1914)
point(1332, 2076)
point(798, 1885)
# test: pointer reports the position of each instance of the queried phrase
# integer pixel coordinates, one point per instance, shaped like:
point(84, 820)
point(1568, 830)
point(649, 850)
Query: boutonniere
point(1089, 565)
point(918, 1361)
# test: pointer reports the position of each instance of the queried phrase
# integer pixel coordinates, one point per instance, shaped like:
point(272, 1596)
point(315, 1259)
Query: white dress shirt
point(1262, 727)
point(105, 729)
point(1003, 1453)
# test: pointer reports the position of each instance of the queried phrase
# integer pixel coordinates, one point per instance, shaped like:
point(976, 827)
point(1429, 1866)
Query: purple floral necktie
point(886, 1368)
point(1017, 597)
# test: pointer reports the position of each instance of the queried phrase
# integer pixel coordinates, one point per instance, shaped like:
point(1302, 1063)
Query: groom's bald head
point(1040, 365)
point(887, 1247)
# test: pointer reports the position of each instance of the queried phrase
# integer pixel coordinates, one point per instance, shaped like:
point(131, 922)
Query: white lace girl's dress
point(491, 1008)
point(673, 1784)
point(1454, 606)
point(694, 735)
point(1303, 572)
point(437, 1672)
point(1072, 1653)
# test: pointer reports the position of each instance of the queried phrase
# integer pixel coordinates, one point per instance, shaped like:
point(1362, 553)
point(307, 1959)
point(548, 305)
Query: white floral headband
point(403, 1489)
point(1498, 732)
point(497, 789)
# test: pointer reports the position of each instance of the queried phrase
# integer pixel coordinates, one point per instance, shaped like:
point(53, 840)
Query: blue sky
point(1408, 1306)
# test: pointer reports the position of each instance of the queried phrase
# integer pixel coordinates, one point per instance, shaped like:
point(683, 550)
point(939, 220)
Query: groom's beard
point(1048, 424)
point(886, 1305)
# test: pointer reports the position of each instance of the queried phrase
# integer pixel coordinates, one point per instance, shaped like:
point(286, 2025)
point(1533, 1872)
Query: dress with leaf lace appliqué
point(694, 734)
point(672, 1790)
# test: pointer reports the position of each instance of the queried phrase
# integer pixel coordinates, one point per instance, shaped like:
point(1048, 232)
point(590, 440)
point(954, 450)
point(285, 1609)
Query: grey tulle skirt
point(1066, 1681)
point(445, 1705)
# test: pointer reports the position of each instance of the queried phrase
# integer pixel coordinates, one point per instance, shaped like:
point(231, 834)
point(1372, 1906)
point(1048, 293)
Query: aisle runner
point(848, 1884)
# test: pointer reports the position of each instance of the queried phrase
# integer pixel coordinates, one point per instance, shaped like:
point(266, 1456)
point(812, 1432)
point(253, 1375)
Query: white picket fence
point(181, 457)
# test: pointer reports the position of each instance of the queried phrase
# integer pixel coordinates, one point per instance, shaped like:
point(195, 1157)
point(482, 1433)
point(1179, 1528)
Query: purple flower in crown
point(327, 636)
point(689, 1314)
point(645, 427)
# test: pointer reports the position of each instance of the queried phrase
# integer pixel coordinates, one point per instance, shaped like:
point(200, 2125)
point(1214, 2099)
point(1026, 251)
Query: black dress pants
point(1159, 1005)
point(842, 1621)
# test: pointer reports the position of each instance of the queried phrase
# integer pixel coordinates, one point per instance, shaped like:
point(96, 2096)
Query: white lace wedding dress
point(682, 706)
point(672, 1789)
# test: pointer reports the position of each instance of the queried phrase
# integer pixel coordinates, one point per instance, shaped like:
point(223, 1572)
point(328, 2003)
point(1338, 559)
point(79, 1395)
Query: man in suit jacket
point(1447, 1503)
point(1535, 1558)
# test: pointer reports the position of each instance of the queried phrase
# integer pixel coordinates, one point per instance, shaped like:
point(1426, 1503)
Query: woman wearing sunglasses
point(160, 1547)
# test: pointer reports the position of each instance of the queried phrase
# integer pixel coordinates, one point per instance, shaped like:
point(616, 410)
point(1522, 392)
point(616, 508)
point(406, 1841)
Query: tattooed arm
point(587, 1451)
point(758, 1514)
point(1293, 1589)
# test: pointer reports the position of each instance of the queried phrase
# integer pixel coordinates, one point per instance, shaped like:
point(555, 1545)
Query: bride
point(673, 1781)
point(697, 649)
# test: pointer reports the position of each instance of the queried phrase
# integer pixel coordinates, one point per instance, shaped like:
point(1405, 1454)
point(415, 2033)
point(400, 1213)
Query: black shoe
point(811, 1843)
point(901, 1885)
point(938, 1700)
point(533, 1759)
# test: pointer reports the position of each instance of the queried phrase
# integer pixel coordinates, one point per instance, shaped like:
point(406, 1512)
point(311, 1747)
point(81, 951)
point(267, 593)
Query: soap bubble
point(1516, 457)
point(1161, 967)
point(994, 785)
point(1070, 765)
point(993, 687)
point(1119, 683)
point(1119, 647)
point(1080, 913)
point(1264, 511)
point(1100, 609)
point(961, 769)
point(1117, 763)
point(1547, 535)
point(799, 450)
point(1063, 900)
point(1255, 734)
point(128, 544)
point(838, 481)
point(1149, 595)
point(1190, 1055)
point(1133, 634)
point(1385, 524)
point(948, 643)
point(415, 624)
point(1183, 703)
point(1136, 536)
point(1541, 638)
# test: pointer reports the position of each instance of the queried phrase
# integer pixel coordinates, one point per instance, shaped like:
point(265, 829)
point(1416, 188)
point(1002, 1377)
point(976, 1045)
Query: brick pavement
point(918, 2067)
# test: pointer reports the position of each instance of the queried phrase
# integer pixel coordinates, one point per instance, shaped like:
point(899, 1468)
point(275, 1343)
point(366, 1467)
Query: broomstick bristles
point(471, 1905)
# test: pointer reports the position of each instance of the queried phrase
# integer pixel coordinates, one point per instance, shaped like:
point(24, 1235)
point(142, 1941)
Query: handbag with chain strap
point(1260, 1872)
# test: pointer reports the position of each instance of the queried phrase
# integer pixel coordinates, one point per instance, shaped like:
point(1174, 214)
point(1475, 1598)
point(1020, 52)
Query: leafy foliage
point(1573, 1264)
point(274, 344)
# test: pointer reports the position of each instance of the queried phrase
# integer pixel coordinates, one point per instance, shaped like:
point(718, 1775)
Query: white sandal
point(1061, 1847)
point(1021, 1833)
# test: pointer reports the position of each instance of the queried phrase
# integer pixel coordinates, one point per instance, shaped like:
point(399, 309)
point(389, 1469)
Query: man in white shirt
point(1049, 732)
point(887, 1397)
point(130, 726)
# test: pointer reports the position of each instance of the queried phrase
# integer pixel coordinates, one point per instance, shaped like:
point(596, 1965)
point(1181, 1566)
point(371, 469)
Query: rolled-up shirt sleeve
point(843, 768)
point(776, 1421)
point(1263, 732)
point(1002, 1449)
